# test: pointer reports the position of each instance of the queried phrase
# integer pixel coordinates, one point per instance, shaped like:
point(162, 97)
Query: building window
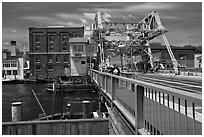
point(37, 67)
point(14, 72)
point(50, 66)
point(37, 46)
point(64, 42)
point(64, 46)
point(64, 37)
point(57, 58)
point(52, 45)
point(83, 62)
point(37, 38)
point(13, 64)
point(51, 38)
point(75, 48)
point(51, 42)
point(66, 58)
point(49, 58)
point(8, 72)
point(37, 59)
point(6, 65)
point(78, 48)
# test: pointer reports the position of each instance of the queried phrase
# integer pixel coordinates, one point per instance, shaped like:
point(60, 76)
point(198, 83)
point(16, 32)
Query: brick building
point(184, 55)
point(50, 50)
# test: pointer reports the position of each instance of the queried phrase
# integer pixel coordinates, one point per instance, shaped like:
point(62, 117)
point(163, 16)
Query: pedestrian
point(116, 70)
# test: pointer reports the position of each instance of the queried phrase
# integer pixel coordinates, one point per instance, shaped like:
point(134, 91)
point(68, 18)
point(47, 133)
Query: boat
point(70, 84)
point(68, 87)
point(18, 81)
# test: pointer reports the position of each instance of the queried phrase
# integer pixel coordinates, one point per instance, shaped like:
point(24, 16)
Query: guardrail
point(57, 127)
point(151, 108)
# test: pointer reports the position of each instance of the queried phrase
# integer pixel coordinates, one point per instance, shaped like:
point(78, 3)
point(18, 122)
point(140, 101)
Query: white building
point(14, 68)
point(198, 61)
point(82, 50)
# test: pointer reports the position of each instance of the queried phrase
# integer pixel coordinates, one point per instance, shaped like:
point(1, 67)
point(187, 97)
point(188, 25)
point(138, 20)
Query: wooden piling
point(86, 109)
point(16, 111)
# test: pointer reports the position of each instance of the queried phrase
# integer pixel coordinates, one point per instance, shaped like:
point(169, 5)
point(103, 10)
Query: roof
point(72, 40)
point(160, 47)
point(12, 58)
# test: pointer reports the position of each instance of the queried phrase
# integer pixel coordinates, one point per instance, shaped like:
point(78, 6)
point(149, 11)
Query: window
point(37, 46)
point(13, 64)
point(37, 38)
point(64, 37)
point(8, 72)
point(64, 46)
point(66, 58)
point(52, 46)
point(78, 48)
point(51, 42)
point(75, 47)
point(37, 59)
point(37, 67)
point(49, 58)
point(14, 72)
point(6, 65)
point(57, 58)
point(50, 66)
point(83, 62)
point(51, 38)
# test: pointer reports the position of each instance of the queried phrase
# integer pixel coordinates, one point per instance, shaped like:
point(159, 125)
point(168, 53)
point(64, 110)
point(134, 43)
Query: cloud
point(89, 15)
point(56, 20)
point(134, 8)
point(150, 7)
point(6, 43)
point(83, 21)
point(66, 16)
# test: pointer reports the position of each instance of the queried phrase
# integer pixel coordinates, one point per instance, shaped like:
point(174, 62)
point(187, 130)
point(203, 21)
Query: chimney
point(13, 44)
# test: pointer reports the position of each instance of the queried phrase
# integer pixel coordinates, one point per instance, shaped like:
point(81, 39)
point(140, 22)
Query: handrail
point(176, 92)
point(152, 107)
point(53, 121)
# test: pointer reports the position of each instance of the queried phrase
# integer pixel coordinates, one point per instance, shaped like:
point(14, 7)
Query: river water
point(30, 107)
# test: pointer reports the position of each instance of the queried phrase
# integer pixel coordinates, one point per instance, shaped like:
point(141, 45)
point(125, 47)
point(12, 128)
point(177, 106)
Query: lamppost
point(46, 71)
point(121, 46)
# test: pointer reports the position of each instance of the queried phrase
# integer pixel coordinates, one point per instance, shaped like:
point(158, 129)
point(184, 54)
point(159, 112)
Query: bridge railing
point(152, 108)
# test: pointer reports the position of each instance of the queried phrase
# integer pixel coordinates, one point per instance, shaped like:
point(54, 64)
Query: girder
point(144, 31)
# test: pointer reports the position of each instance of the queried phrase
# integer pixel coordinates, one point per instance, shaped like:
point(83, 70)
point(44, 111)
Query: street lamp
point(120, 46)
point(46, 71)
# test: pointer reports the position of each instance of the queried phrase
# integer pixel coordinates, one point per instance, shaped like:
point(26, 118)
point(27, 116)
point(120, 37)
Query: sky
point(182, 19)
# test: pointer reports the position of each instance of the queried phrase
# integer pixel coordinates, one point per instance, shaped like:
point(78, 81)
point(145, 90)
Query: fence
point(57, 127)
point(151, 108)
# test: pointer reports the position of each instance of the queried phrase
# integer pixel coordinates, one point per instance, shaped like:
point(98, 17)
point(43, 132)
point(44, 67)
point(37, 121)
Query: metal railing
point(151, 108)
